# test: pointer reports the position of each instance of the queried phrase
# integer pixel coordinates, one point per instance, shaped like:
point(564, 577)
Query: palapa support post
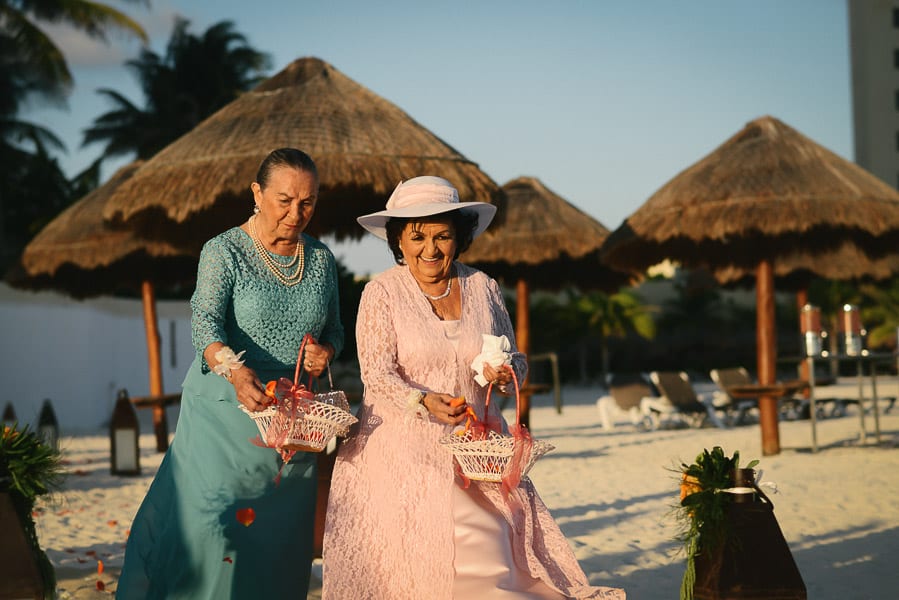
point(21, 574)
point(766, 349)
point(522, 339)
point(48, 426)
point(754, 561)
point(160, 425)
point(123, 438)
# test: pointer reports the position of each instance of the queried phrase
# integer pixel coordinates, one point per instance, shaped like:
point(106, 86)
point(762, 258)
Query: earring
point(255, 209)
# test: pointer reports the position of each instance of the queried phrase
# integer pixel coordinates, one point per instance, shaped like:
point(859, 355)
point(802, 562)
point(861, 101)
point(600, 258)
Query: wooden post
point(160, 426)
point(522, 338)
point(766, 352)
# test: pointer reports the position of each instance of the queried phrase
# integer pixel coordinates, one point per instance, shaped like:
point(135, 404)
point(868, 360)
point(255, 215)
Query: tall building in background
point(874, 53)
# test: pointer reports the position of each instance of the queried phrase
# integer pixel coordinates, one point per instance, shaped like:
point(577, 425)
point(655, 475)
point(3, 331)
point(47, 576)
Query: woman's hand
point(250, 391)
point(498, 376)
point(443, 407)
point(316, 358)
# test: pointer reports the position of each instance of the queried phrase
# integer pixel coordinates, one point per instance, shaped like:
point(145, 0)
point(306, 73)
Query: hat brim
point(376, 222)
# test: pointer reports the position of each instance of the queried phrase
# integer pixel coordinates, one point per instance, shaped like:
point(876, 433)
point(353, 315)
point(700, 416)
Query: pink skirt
point(484, 564)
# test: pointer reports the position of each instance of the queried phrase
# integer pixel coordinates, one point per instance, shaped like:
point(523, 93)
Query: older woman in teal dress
point(261, 288)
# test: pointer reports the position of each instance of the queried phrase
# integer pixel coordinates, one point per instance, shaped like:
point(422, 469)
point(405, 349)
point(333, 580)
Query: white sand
point(611, 492)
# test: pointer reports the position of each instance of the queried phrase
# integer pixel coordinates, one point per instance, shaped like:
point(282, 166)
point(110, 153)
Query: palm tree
point(882, 314)
point(614, 315)
point(48, 73)
point(196, 77)
point(33, 67)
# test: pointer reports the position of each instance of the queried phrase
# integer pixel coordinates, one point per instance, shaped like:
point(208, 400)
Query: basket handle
point(517, 396)
point(296, 375)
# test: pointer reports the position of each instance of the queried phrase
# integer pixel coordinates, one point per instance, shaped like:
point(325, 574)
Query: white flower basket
point(303, 421)
point(311, 428)
point(490, 458)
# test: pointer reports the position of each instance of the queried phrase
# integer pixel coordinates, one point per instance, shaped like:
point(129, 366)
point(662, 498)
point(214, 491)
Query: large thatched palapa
point(765, 193)
point(765, 196)
point(362, 144)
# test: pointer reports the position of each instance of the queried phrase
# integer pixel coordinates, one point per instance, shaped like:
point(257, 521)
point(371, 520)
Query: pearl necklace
point(449, 288)
point(274, 266)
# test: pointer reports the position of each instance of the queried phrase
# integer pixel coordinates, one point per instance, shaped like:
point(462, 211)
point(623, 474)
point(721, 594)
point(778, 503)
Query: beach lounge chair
point(677, 399)
point(734, 409)
point(626, 391)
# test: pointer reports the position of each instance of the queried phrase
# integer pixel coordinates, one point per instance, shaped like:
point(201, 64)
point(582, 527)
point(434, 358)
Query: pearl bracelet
point(228, 361)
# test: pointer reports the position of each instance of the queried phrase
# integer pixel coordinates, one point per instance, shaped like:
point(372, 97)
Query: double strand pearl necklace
point(274, 266)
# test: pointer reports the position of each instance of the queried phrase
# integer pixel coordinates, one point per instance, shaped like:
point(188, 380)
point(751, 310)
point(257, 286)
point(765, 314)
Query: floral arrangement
point(30, 468)
point(701, 513)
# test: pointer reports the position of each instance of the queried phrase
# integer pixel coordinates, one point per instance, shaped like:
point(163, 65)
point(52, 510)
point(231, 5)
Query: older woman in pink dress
point(400, 522)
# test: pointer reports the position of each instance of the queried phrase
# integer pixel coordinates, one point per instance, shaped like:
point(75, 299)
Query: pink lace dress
point(398, 523)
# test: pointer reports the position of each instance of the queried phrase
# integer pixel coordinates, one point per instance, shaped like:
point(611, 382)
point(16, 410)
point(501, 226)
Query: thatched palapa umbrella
point(544, 242)
point(81, 254)
point(765, 195)
point(362, 144)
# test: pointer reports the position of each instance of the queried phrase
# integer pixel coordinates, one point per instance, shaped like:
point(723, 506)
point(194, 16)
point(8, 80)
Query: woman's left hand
point(498, 376)
point(316, 358)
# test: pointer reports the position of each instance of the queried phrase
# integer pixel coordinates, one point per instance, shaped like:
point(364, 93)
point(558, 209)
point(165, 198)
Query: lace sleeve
point(504, 327)
point(377, 347)
point(333, 332)
point(209, 303)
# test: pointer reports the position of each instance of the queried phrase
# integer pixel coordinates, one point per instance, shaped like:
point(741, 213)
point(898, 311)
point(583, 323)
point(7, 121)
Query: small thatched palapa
point(79, 253)
point(766, 193)
point(545, 240)
point(362, 144)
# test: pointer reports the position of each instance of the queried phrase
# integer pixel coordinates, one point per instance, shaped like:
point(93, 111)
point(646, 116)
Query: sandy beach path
point(611, 493)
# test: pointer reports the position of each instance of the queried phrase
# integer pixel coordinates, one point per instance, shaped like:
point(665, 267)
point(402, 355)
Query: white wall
point(80, 353)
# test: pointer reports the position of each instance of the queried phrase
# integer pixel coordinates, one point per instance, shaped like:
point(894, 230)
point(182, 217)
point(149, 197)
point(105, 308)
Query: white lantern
point(123, 438)
point(852, 330)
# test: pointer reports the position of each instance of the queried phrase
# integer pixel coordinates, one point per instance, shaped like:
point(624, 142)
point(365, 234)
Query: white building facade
point(874, 53)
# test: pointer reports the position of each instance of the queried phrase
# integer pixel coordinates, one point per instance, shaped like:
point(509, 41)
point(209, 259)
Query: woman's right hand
point(249, 389)
point(443, 408)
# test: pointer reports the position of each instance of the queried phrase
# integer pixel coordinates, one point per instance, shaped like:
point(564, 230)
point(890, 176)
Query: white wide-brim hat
point(423, 197)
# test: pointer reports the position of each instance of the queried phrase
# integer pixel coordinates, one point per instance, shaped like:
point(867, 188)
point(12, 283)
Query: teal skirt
point(192, 536)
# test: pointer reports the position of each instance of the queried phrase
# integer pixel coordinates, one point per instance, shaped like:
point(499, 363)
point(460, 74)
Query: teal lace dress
point(186, 540)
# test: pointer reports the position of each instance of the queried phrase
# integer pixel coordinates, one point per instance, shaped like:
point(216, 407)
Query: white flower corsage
point(414, 408)
point(228, 361)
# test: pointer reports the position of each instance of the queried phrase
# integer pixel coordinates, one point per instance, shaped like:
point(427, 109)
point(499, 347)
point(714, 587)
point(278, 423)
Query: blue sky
point(604, 101)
